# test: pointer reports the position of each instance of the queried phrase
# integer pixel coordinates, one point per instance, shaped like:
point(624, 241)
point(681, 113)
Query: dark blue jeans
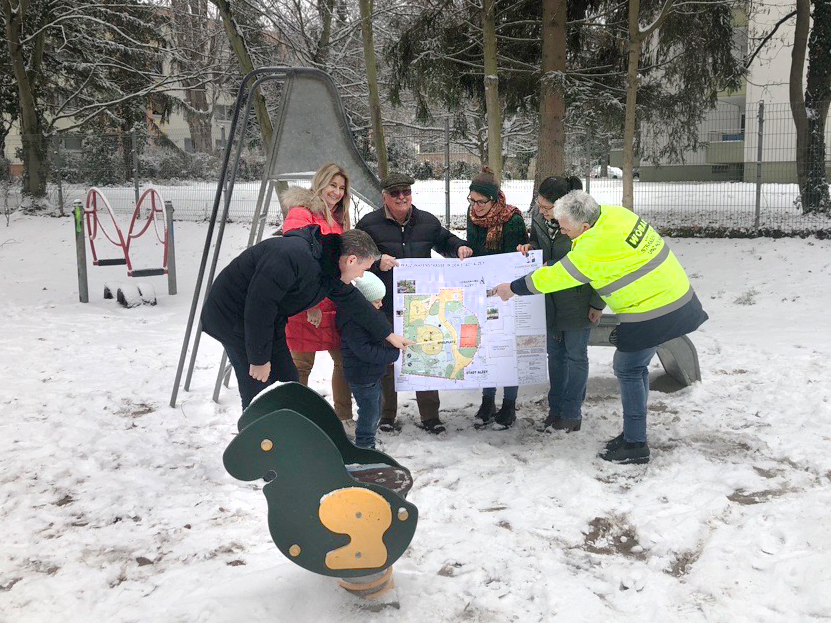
point(632, 372)
point(568, 372)
point(282, 369)
point(508, 393)
point(368, 398)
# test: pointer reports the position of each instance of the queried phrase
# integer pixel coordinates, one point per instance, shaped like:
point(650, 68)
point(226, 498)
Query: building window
point(223, 112)
point(71, 143)
point(731, 172)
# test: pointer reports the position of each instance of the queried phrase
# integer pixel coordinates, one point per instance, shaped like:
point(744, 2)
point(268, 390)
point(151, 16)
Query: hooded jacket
point(365, 359)
point(252, 298)
point(301, 335)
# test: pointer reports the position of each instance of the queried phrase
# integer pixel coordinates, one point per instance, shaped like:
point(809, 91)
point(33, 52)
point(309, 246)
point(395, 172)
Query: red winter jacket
point(302, 335)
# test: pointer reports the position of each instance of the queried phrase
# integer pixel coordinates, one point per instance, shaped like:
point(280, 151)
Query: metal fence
point(741, 180)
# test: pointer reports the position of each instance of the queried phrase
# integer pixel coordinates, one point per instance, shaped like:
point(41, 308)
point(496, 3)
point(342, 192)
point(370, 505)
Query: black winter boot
point(506, 415)
point(618, 450)
point(486, 412)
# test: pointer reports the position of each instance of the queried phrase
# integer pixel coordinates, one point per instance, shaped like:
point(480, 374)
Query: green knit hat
point(371, 287)
point(485, 183)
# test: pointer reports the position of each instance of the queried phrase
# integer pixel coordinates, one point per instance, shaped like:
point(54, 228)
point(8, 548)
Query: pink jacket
point(302, 335)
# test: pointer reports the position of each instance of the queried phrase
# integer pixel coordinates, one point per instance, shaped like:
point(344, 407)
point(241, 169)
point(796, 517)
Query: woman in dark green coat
point(493, 227)
point(569, 314)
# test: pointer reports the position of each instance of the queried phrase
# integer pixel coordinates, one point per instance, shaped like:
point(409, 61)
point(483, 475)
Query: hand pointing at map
point(399, 341)
point(387, 262)
point(503, 291)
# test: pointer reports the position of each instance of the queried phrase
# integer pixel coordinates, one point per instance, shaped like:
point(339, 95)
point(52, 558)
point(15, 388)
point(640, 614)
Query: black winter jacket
point(566, 310)
point(422, 233)
point(252, 298)
point(365, 358)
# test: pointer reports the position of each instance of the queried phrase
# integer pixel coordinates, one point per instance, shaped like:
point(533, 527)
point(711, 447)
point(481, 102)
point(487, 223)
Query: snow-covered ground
point(115, 507)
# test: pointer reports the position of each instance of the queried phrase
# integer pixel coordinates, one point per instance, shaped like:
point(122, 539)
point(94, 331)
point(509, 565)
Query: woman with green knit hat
point(493, 227)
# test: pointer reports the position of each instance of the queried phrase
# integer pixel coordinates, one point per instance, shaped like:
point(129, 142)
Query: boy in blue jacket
point(365, 359)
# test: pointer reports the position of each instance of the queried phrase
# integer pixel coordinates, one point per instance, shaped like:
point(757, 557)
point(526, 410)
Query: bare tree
point(79, 62)
point(200, 46)
point(810, 110)
point(492, 102)
point(372, 84)
point(551, 140)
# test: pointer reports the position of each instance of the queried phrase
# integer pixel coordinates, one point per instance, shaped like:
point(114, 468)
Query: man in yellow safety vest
point(633, 270)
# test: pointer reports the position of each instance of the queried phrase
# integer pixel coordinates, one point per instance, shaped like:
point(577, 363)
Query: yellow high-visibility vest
point(627, 263)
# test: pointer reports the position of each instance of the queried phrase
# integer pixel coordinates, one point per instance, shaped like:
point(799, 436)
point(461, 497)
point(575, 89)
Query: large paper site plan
point(463, 338)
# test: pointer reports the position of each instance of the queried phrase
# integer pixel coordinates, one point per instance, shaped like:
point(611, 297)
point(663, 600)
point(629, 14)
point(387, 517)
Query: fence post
point(81, 251)
point(135, 163)
point(759, 165)
point(588, 159)
point(223, 139)
point(171, 249)
point(447, 172)
point(56, 146)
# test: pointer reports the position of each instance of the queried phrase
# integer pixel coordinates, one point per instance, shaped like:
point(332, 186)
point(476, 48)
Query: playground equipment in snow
point(312, 128)
point(333, 508)
point(160, 215)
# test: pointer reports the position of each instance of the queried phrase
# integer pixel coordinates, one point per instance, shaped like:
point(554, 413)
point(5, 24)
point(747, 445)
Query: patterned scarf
point(493, 220)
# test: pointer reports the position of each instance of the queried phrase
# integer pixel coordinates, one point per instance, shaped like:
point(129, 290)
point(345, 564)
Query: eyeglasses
point(545, 207)
point(402, 192)
point(479, 202)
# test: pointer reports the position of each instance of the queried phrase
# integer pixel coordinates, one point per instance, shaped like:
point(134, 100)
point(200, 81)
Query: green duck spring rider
point(333, 508)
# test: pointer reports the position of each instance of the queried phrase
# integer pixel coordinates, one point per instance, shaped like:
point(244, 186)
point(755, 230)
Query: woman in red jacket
point(326, 204)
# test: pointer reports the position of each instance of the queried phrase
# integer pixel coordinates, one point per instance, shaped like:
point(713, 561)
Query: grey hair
point(359, 243)
point(579, 206)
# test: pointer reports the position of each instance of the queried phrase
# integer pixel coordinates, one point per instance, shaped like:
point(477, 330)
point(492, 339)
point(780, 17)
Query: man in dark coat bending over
point(250, 301)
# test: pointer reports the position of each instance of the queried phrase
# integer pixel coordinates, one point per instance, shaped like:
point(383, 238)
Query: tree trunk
point(372, 83)
point(492, 105)
point(240, 48)
point(817, 100)
point(634, 53)
point(551, 136)
point(190, 20)
point(325, 9)
point(800, 118)
point(198, 119)
point(32, 130)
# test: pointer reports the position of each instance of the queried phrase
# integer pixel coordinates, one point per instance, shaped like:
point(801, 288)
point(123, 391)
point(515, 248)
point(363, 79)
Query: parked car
point(611, 172)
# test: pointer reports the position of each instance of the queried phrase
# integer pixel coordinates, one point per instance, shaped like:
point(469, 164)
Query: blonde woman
point(325, 204)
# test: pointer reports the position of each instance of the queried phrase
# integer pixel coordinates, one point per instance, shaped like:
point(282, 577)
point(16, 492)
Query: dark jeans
point(282, 369)
point(508, 393)
point(632, 372)
point(368, 398)
point(568, 372)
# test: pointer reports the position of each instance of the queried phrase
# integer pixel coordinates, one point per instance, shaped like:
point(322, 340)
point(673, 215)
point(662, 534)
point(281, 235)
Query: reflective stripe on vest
point(636, 274)
point(658, 311)
point(626, 261)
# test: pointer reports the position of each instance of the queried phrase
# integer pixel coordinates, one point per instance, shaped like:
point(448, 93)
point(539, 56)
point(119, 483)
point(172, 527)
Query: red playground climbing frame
point(97, 203)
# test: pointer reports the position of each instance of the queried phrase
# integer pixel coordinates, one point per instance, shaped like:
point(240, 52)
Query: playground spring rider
point(160, 215)
point(333, 508)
